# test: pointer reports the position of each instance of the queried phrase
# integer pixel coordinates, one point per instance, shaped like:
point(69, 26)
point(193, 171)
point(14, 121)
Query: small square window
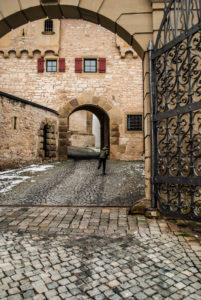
point(90, 65)
point(51, 65)
point(134, 122)
point(48, 25)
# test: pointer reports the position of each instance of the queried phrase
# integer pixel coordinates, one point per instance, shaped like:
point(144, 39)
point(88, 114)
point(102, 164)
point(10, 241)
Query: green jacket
point(104, 153)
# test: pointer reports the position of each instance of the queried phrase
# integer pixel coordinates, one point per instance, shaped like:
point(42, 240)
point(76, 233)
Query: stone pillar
point(144, 205)
point(157, 16)
point(62, 149)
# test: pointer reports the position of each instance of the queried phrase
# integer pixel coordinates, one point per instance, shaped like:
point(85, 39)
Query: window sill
point(48, 32)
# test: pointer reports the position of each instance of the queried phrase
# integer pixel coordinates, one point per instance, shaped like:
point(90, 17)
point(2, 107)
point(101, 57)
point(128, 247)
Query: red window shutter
point(102, 65)
point(40, 65)
point(62, 65)
point(78, 65)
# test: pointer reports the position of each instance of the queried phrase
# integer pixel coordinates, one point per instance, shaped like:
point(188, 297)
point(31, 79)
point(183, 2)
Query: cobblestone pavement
point(95, 253)
point(74, 182)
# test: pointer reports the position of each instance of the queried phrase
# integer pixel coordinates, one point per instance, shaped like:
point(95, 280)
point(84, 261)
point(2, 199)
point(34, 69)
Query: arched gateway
point(103, 118)
point(137, 22)
point(107, 115)
point(134, 21)
point(130, 19)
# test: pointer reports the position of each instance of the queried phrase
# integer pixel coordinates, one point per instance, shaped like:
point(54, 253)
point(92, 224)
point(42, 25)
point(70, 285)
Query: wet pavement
point(74, 182)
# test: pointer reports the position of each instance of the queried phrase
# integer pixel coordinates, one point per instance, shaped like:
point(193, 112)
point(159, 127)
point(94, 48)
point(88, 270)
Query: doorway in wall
point(88, 130)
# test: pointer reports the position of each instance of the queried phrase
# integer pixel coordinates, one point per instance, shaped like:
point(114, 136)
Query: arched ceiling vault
point(130, 19)
point(96, 110)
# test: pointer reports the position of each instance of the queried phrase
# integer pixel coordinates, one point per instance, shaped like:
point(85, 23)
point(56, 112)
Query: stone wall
point(120, 87)
point(22, 133)
point(80, 129)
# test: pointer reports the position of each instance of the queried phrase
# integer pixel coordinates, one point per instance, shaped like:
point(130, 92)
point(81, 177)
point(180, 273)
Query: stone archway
point(109, 118)
point(103, 119)
point(131, 20)
point(135, 21)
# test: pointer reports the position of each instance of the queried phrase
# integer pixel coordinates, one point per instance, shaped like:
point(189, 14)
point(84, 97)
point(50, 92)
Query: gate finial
point(150, 46)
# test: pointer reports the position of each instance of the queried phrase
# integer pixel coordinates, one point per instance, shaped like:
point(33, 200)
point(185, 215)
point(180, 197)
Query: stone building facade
point(137, 22)
point(112, 94)
point(29, 132)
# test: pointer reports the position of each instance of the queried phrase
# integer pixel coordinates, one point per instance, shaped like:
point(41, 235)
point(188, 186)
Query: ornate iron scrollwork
point(176, 61)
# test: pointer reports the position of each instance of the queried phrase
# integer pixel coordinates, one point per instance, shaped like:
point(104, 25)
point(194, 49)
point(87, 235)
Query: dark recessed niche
point(49, 1)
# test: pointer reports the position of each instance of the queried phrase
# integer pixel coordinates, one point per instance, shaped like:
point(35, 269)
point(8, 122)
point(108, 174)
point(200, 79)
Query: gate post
point(152, 126)
point(62, 149)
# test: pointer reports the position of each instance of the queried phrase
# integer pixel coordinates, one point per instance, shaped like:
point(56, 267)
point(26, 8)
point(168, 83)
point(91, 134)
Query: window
point(90, 65)
point(15, 123)
point(134, 122)
point(48, 26)
point(51, 65)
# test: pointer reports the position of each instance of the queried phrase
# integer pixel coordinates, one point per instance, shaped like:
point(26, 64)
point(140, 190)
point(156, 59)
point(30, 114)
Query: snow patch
point(36, 168)
point(11, 178)
point(11, 185)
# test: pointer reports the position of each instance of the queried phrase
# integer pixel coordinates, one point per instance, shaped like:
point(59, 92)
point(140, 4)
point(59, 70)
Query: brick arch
point(111, 121)
point(131, 20)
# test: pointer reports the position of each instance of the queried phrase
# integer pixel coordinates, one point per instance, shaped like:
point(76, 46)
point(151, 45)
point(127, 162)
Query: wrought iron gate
point(175, 83)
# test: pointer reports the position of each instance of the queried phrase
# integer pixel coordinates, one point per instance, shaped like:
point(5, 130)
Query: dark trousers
point(102, 161)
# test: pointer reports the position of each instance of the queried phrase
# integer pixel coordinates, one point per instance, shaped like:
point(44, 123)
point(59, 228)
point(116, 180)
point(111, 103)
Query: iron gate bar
point(166, 16)
point(178, 180)
point(175, 93)
point(179, 39)
point(180, 110)
point(152, 126)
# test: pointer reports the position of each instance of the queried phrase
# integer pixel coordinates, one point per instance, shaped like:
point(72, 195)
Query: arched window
point(48, 25)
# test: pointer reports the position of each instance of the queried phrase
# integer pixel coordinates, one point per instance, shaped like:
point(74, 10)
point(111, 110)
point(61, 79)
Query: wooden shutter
point(78, 65)
point(40, 65)
point(62, 65)
point(102, 65)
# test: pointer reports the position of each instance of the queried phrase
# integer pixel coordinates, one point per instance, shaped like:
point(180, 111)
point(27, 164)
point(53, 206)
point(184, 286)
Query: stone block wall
point(80, 129)
point(22, 133)
point(78, 139)
point(119, 91)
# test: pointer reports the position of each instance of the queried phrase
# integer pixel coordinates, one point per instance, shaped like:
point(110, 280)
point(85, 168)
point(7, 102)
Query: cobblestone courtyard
point(74, 182)
point(90, 252)
point(95, 253)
